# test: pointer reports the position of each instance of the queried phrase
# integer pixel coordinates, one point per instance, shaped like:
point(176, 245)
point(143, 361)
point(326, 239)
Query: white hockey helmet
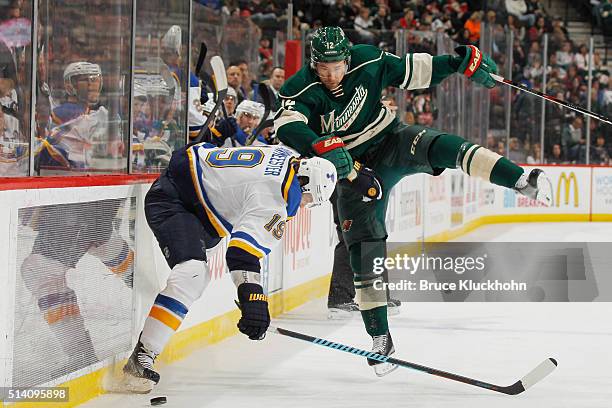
point(322, 178)
point(232, 92)
point(172, 39)
point(250, 107)
point(140, 87)
point(80, 68)
point(157, 86)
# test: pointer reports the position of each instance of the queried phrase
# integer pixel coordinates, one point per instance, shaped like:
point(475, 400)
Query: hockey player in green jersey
point(332, 108)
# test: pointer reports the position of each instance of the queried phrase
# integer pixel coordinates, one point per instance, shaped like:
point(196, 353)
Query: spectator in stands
point(536, 32)
point(555, 117)
point(581, 59)
point(339, 13)
point(603, 16)
point(501, 148)
point(564, 56)
point(534, 71)
point(518, 8)
point(516, 154)
point(408, 21)
point(518, 31)
point(534, 154)
point(518, 57)
point(491, 142)
point(559, 33)
point(572, 81)
point(382, 19)
point(553, 65)
point(248, 81)
point(535, 53)
point(266, 56)
point(363, 24)
point(557, 155)
point(277, 79)
point(234, 80)
point(600, 153)
point(230, 8)
point(577, 153)
point(473, 26)
point(572, 134)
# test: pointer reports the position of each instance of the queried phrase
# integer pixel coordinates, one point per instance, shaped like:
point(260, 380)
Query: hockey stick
point(534, 376)
point(221, 85)
point(268, 100)
point(201, 58)
point(552, 99)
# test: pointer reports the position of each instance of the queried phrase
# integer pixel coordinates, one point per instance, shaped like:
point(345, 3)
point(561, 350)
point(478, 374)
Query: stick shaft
point(516, 388)
point(552, 99)
point(221, 92)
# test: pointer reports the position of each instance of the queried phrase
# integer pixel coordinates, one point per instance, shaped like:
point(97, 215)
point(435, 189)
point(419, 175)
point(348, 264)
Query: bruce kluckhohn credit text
point(412, 265)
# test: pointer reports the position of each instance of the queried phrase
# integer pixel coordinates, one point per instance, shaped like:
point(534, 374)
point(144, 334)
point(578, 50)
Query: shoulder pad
point(299, 83)
point(362, 53)
point(67, 111)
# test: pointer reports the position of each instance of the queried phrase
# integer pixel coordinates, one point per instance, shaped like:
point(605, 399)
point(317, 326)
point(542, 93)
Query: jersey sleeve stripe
point(366, 63)
point(245, 246)
point(221, 226)
point(299, 93)
point(408, 73)
point(288, 116)
point(286, 184)
point(421, 64)
point(245, 237)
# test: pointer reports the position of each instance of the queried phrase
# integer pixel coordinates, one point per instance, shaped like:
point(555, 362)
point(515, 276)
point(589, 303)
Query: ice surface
point(495, 342)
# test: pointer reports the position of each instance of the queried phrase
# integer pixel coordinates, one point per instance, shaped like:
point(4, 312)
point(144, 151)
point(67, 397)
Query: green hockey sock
point(505, 173)
point(375, 321)
point(451, 151)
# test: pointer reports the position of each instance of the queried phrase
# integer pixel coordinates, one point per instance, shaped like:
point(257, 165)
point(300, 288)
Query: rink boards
point(420, 207)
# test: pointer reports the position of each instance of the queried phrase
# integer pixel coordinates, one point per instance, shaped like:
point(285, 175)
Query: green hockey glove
point(476, 65)
point(332, 148)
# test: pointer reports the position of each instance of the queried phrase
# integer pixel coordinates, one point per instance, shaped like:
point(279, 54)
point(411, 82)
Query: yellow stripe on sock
point(165, 317)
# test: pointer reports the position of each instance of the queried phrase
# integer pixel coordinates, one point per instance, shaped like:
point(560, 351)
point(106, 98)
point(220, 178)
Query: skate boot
point(139, 369)
point(536, 186)
point(383, 345)
point(342, 310)
point(393, 307)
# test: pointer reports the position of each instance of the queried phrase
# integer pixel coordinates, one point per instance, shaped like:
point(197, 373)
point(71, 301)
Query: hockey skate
point(393, 307)
point(342, 310)
point(139, 373)
point(383, 345)
point(536, 186)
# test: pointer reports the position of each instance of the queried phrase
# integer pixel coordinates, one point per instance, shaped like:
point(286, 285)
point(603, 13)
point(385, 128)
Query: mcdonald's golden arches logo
point(566, 181)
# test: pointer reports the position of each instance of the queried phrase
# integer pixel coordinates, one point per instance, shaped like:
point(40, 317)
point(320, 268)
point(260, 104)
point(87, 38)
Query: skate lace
point(380, 344)
point(146, 358)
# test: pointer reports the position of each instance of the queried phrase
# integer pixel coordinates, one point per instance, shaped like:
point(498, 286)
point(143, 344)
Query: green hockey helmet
point(329, 44)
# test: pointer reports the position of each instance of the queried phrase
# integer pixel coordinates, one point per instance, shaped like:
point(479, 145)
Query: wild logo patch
point(330, 123)
point(346, 225)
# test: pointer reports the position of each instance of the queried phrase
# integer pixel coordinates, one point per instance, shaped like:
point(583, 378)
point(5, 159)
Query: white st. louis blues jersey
point(248, 193)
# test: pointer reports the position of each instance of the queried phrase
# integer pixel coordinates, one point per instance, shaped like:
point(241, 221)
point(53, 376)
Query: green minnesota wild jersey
point(352, 111)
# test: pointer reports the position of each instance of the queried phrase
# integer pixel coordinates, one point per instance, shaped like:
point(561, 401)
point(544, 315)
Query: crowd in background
point(377, 21)
point(247, 33)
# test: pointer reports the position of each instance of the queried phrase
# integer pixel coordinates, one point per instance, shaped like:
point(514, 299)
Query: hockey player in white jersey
point(246, 194)
point(78, 123)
